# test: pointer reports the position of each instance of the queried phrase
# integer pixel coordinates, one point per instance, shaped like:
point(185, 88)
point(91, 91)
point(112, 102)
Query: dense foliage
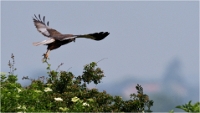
point(63, 91)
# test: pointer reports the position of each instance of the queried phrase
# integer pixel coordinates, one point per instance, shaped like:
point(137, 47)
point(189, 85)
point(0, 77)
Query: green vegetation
point(190, 107)
point(63, 91)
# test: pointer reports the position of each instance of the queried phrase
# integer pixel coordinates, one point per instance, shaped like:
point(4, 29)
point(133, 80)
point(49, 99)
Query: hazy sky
point(144, 37)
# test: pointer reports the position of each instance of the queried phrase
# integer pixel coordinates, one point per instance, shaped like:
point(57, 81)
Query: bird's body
point(57, 39)
point(57, 43)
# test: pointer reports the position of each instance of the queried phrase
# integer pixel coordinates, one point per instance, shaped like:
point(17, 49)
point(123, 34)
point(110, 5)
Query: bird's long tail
point(44, 42)
point(95, 36)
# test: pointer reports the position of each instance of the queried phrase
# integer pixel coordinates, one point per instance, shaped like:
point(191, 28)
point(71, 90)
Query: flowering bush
point(64, 92)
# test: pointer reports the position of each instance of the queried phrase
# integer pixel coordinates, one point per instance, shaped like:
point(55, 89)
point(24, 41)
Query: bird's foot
point(45, 56)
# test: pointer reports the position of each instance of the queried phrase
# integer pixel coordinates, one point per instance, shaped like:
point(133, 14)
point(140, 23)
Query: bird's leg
point(47, 54)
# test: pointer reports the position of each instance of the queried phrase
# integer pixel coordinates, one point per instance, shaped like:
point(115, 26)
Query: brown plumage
point(57, 39)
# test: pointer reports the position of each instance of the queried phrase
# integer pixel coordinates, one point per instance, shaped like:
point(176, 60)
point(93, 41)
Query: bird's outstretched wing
point(95, 36)
point(48, 41)
point(44, 28)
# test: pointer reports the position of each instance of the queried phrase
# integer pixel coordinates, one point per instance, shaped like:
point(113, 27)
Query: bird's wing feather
point(66, 37)
point(44, 42)
point(95, 36)
point(43, 28)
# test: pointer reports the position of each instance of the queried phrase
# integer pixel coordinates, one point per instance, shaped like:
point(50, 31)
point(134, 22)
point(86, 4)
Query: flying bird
point(57, 39)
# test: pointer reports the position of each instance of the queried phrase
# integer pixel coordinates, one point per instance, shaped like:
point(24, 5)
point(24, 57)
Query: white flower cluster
point(47, 89)
point(75, 99)
point(58, 99)
point(85, 104)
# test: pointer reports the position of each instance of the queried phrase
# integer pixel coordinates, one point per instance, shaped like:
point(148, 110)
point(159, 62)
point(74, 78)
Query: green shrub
point(190, 107)
point(63, 91)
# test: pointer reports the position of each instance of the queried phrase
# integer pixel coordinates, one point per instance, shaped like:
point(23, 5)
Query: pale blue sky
point(144, 37)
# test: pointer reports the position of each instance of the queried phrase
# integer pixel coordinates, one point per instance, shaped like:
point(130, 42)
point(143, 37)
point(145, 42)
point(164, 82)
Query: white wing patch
point(42, 28)
point(44, 31)
point(44, 42)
